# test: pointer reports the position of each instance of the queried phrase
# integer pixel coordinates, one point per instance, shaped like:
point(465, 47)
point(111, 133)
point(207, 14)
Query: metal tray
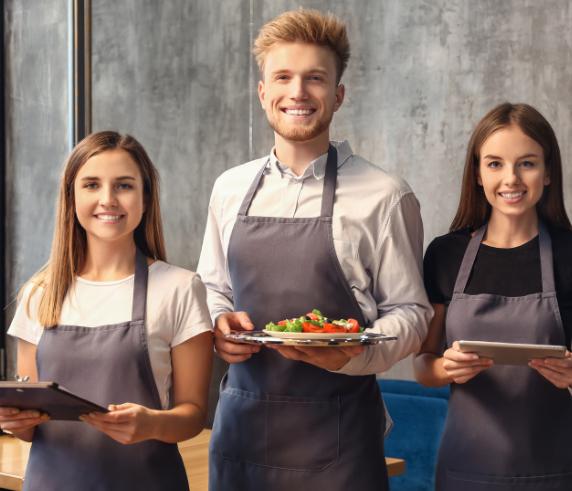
point(260, 337)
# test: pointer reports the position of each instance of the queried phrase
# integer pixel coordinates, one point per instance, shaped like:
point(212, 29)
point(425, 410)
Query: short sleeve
point(434, 293)
point(26, 326)
point(193, 316)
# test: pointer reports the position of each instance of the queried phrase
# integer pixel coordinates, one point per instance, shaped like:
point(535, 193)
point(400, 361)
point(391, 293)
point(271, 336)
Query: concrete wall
point(177, 76)
point(35, 45)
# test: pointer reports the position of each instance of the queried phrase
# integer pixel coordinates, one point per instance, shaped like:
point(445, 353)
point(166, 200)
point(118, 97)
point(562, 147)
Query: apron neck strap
point(329, 185)
point(140, 287)
point(546, 264)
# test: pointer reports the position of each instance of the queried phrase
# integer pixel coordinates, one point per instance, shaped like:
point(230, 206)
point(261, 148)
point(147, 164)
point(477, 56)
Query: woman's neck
point(506, 232)
point(109, 261)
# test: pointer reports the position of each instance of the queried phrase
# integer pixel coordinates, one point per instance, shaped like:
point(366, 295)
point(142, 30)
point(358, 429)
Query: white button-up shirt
point(378, 238)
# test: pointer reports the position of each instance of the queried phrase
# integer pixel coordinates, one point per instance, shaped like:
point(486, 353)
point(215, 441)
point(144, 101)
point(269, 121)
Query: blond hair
point(69, 246)
point(305, 26)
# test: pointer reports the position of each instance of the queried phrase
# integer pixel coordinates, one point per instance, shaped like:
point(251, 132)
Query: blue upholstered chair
point(419, 416)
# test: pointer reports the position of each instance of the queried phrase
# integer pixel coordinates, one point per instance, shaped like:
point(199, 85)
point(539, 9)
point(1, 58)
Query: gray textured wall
point(35, 44)
point(176, 75)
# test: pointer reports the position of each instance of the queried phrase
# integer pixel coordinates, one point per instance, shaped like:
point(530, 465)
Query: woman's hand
point(127, 423)
point(556, 370)
point(462, 367)
point(19, 421)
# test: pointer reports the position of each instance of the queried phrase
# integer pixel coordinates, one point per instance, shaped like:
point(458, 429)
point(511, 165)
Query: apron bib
point(282, 424)
point(508, 428)
point(107, 365)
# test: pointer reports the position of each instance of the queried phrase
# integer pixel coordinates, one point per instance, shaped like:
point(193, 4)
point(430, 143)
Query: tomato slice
point(307, 327)
point(312, 317)
point(331, 328)
point(282, 323)
point(354, 325)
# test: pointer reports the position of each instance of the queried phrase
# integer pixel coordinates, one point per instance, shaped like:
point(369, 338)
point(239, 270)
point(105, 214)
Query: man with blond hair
point(311, 226)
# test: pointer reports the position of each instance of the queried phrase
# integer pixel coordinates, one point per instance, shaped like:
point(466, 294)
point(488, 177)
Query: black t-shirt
point(508, 272)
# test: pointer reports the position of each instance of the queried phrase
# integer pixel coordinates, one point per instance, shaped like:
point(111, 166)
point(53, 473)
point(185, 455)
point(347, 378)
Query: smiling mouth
point(514, 195)
point(298, 112)
point(109, 218)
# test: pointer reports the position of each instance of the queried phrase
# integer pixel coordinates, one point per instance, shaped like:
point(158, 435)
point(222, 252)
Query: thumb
point(120, 407)
point(245, 321)
point(353, 351)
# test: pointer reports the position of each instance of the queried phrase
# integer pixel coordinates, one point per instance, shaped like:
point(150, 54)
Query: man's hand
point(556, 370)
point(328, 358)
point(228, 349)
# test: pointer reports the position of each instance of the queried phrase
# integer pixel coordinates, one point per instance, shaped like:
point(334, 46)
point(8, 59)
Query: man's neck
point(299, 155)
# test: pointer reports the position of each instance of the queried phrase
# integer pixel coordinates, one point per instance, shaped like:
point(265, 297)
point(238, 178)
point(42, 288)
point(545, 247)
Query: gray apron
point(284, 425)
point(508, 428)
point(107, 365)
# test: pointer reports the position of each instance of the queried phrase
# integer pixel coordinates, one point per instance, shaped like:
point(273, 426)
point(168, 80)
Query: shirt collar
point(317, 168)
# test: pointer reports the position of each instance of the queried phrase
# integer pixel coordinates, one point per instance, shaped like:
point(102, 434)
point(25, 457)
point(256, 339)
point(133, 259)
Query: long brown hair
point(474, 209)
point(69, 247)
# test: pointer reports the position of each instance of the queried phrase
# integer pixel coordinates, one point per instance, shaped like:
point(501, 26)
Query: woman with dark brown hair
point(504, 274)
point(109, 319)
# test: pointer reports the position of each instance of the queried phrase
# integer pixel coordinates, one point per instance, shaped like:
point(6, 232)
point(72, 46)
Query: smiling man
point(311, 226)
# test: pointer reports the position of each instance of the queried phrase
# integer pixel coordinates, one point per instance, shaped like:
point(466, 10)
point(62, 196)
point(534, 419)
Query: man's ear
point(262, 94)
point(340, 94)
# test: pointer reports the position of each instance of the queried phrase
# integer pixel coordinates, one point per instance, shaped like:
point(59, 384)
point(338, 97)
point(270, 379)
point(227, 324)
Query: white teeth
point(512, 195)
point(109, 218)
point(298, 112)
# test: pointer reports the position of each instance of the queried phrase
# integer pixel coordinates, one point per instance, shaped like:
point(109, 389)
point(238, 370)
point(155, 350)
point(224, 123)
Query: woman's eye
point(494, 165)
point(91, 185)
point(527, 163)
point(124, 185)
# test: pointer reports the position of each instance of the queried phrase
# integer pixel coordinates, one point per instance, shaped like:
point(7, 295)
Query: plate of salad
point(314, 325)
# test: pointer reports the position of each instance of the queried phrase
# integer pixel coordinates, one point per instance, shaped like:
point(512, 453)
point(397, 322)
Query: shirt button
point(295, 181)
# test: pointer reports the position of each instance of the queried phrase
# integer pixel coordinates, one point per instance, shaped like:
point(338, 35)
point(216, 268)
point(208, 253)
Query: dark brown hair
point(305, 26)
point(69, 246)
point(474, 209)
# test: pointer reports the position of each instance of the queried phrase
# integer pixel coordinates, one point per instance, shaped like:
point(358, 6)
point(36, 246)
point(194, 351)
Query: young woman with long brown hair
point(504, 274)
point(109, 319)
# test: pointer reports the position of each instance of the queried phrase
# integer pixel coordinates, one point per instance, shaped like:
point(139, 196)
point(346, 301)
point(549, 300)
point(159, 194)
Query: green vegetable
point(295, 326)
point(274, 327)
point(361, 329)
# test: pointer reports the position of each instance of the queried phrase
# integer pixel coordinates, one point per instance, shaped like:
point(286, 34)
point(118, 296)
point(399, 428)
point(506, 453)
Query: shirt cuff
point(354, 366)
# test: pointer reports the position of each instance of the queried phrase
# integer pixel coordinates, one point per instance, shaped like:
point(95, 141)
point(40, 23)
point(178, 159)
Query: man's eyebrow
point(313, 70)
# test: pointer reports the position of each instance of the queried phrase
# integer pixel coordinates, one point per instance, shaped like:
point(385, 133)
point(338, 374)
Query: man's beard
point(302, 133)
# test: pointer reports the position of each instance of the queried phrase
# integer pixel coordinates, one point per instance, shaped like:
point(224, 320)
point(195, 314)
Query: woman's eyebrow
point(121, 178)
point(528, 155)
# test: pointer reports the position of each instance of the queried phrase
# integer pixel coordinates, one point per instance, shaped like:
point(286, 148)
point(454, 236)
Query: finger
point(353, 351)
point(456, 346)
point(22, 424)
point(454, 355)
point(16, 414)
point(234, 358)
point(556, 378)
point(556, 372)
point(291, 353)
point(235, 348)
point(565, 363)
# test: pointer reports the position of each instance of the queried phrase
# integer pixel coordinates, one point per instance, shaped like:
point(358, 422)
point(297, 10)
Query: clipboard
point(46, 397)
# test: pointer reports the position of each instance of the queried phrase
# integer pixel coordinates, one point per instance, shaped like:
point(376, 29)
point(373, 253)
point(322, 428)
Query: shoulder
point(453, 243)
point(170, 276)
point(374, 177)
point(241, 174)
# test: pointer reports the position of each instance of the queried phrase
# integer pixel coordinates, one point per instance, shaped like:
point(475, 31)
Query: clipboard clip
point(21, 379)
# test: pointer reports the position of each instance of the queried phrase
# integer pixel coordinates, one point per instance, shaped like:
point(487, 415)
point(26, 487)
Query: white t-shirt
point(176, 311)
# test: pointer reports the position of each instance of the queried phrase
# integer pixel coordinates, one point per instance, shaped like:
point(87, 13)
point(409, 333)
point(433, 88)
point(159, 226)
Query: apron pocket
point(474, 482)
point(291, 433)
point(242, 421)
point(303, 433)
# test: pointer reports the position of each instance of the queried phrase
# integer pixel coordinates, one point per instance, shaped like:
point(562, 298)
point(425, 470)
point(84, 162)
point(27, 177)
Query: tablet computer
point(47, 397)
point(512, 353)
